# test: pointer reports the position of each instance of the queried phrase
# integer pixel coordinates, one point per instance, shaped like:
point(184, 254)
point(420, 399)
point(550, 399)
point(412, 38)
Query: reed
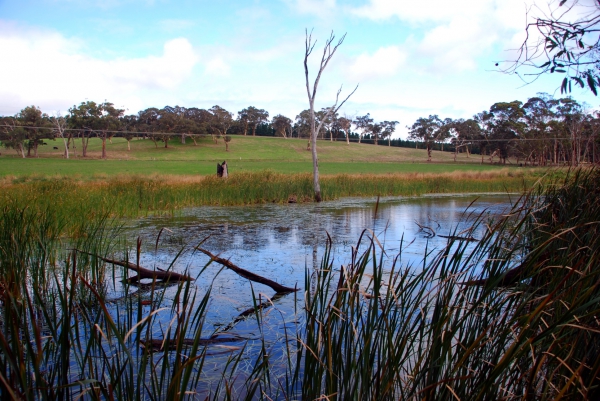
point(512, 316)
point(139, 195)
point(523, 325)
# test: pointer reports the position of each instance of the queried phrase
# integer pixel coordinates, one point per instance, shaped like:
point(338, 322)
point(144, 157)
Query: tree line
point(541, 131)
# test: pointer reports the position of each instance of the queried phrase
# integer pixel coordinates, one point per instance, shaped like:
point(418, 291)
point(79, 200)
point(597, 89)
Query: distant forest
point(542, 131)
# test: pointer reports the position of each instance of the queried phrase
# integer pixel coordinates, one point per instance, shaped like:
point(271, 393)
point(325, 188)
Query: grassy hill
point(245, 154)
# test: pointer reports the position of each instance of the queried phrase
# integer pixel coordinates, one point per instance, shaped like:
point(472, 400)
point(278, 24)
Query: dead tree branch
point(145, 273)
point(248, 275)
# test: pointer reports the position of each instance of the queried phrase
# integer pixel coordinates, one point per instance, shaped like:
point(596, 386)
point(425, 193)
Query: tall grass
point(513, 316)
point(139, 195)
point(521, 326)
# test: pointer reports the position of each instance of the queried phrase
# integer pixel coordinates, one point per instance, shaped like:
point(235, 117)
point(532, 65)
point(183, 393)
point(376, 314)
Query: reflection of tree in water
point(278, 238)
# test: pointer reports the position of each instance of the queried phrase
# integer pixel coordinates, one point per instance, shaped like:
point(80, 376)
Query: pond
point(283, 242)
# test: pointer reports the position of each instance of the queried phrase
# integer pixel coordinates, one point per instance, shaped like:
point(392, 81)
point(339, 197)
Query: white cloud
point(315, 7)
point(384, 62)
point(453, 34)
point(52, 71)
point(217, 67)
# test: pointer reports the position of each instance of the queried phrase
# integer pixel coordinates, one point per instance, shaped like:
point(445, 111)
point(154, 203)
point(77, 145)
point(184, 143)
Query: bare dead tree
point(60, 127)
point(328, 52)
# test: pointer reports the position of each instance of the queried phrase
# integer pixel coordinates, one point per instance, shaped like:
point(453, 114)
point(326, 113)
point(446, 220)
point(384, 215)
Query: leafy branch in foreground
point(565, 41)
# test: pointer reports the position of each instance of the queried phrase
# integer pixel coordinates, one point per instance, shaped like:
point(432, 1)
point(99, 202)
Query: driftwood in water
point(248, 275)
point(146, 273)
point(158, 344)
point(428, 231)
point(250, 311)
point(458, 238)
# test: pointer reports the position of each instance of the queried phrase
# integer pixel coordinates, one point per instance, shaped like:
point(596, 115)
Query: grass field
point(150, 179)
point(246, 154)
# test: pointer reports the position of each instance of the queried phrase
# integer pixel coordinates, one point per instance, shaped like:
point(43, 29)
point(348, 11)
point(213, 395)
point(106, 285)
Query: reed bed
point(514, 316)
point(142, 195)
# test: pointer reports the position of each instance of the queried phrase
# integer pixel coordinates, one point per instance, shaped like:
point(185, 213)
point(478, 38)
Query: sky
point(410, 59)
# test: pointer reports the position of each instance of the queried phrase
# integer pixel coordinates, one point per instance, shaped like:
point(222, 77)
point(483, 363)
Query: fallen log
point(278, 288)
point(251, 311)
point(459, 238)
point(145, 273)
point(158, 344)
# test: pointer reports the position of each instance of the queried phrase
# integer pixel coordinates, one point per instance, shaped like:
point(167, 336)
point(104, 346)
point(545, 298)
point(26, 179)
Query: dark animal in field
point(55, 147)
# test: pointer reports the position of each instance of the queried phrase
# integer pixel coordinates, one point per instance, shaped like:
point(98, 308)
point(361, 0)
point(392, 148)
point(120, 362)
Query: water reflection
point(280, 238)
point(281, 241)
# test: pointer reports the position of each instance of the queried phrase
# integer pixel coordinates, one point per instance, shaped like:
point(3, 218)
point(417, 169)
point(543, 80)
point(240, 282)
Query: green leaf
point(592, 83)
point(563, 87)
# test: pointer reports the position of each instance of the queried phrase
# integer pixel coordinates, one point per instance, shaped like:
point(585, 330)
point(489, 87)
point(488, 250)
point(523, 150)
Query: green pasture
point(246, 154)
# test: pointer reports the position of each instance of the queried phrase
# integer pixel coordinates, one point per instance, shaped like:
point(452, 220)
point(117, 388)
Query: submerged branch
point(159, 344)
point(145, 273)
point(248, 275)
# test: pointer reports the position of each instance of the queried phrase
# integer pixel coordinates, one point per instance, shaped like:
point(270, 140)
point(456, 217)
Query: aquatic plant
point(509, 315)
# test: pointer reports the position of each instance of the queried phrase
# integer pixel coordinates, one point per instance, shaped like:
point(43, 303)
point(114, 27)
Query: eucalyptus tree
point(130, 125)
point(571, 120)
point(388, 129)
point(221, 120)
point(535, 142)
point(256, 117)
point(85, 120)
point(108, 122)
point(12, 135)
point(328, 119)
point(169, 122)
point(426, 131)
point(244, 118)
point(484, 120)
point(252, 116)
point(467, 133)
point(375, 129)
point(507, 125)
point(328, 52)
point(197, 123)
point(302, 126)
point(345, 125)
point(148, 123)
point(181, 113)
point(282, 125)
point(591, 136)
point(37, 127)
point(362, 124)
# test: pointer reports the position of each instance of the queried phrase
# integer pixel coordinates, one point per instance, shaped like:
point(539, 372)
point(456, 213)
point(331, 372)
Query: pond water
point(282, 242)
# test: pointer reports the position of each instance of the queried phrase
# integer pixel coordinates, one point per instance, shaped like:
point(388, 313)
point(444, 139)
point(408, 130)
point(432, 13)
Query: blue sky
point(410, 59)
